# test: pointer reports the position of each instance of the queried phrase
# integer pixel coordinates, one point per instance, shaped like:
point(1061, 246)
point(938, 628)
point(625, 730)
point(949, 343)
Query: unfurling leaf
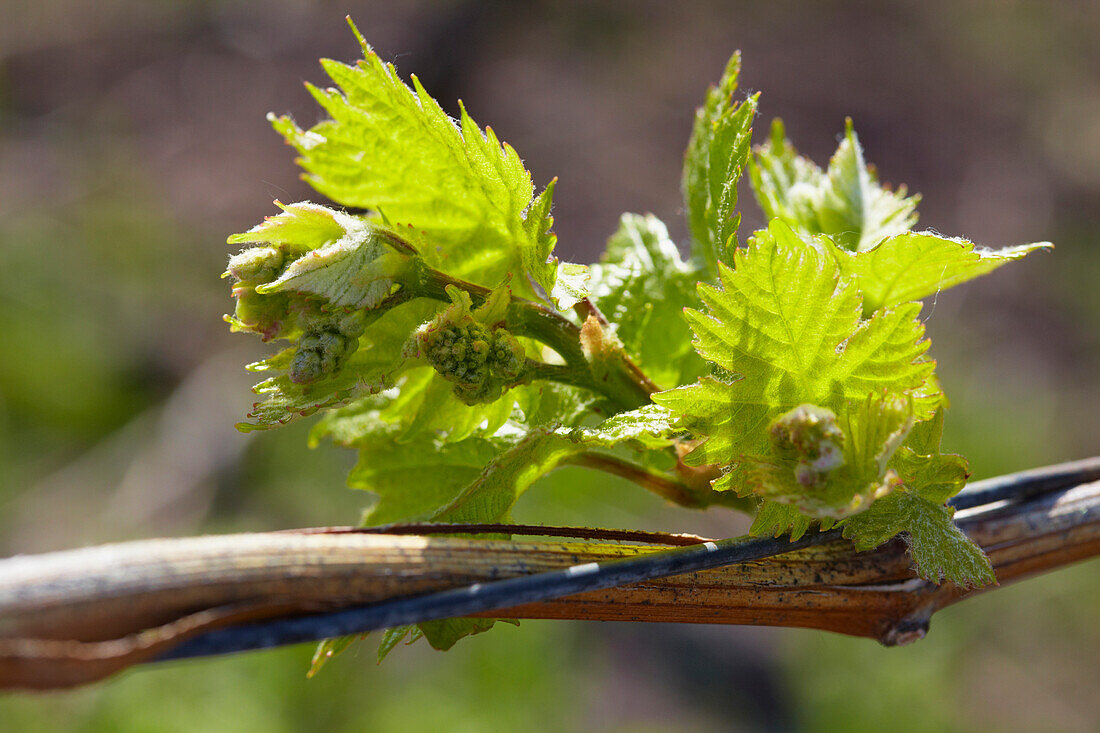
point(715, 159)
point(318, 270)
point(845, 202)
point(357, 271)
point(918, 511)
point(784, 330)
point(830, 471)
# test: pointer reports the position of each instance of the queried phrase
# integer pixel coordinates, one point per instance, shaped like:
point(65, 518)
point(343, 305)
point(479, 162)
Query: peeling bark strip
point(68, 618)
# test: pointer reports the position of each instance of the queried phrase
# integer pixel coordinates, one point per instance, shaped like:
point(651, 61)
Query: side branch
point(68, 618)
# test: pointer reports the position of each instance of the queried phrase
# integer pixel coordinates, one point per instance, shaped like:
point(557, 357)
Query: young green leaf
point(489, 498)
point(414, 479)
point(308, 251)
point(642, 286)
point(301, 227)
point(421, 407)
point(328, 649)
point(922, 467)
point(775, 519)
point(716, 156)
point(476, 479)
point(913, 265)
point(434, 409)
point(355, 271)
point(392, 637)
point(651, 426)
point(918, 511)
point(565, 282)
point(434, 475)
point(845, 202)
point(827, 469)
point(938, 547)
point(393, 149)
point(445, 633)
point(493, 493)
point(785, 330)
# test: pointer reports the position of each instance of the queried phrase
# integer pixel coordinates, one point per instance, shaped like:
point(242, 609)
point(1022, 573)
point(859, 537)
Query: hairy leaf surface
point(299, 228)
point(938, 547)
point(356, 271)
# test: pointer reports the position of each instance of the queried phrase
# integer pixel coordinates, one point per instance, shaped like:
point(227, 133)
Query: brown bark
point(67, 618)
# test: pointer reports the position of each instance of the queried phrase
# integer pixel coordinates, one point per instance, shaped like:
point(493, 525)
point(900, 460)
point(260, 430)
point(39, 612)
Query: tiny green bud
point(488, 391)
point(310, 317)
point(321, 350)
point(306, 366)
point(350, 324)
point(263, 314)
point(330, 360)
point(331, 342)
point(810, 435)
point(311, 341)
point(256, 264)
point(506, 356)
point(477, 359)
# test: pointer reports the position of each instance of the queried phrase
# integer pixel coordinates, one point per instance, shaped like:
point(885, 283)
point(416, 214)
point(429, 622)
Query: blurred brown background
point(133, 141)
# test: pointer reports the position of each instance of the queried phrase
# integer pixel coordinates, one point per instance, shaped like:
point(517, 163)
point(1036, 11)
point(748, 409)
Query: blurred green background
point(133, 140)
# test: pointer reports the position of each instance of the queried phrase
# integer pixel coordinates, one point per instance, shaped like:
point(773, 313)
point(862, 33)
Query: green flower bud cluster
point(811, 436)
point(327, 341)
point(506, 356)
point(479, 361)
point(263, 314)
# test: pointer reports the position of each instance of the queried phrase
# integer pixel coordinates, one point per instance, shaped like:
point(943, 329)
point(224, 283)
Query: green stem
point(561, 373)
point(586, 308)
point(431, 283)
point(391, 301)
point(660, 484)
point(526, 318)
